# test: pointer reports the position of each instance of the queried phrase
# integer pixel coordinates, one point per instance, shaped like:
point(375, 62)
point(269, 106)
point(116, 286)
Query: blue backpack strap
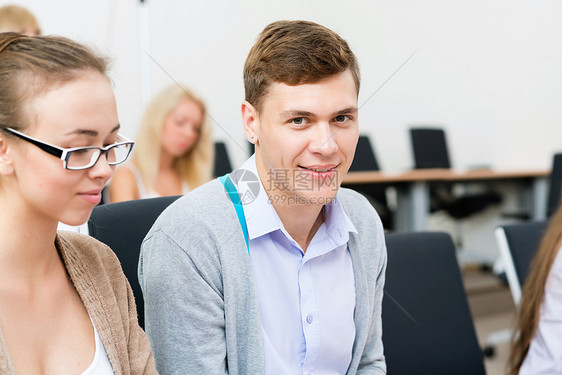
point(235, 198)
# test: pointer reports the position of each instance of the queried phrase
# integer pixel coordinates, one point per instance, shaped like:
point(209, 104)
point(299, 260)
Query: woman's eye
point(114, 141)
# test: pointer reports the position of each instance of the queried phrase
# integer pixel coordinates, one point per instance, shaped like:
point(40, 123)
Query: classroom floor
point(493, 311)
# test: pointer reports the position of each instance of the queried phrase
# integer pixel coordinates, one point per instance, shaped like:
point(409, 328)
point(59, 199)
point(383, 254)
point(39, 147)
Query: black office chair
point(122, 226)
point(430, 151)
point(555, 185)
point(365, 160)
point(222, 160)
point(251, 148)
point(427, 326)
point(430, 148)
point(518, 244)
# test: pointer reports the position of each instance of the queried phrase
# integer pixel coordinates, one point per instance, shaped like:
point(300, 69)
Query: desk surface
point(368, 177)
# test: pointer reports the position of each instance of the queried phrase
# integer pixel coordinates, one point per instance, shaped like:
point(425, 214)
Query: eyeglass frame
point(64, 153)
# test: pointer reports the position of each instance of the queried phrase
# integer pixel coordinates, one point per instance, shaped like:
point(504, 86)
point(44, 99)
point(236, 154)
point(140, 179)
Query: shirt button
point(309, 319)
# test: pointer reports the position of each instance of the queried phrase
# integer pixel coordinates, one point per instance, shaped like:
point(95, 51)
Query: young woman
point(537, 346)
point(65, 305)
point(173, 150)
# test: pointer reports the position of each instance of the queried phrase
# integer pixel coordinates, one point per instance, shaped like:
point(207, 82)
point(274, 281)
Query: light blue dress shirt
point(307, 300)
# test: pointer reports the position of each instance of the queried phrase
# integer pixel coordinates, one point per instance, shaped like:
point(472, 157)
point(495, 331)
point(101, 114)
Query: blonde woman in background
point(537, 345)
point(173, 150)
point(18, 19)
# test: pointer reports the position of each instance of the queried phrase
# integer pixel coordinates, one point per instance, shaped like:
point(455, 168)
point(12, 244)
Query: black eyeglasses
point(79, 158)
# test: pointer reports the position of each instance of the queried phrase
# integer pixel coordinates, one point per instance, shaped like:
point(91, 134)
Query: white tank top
point(147, 193)
point(100, 365)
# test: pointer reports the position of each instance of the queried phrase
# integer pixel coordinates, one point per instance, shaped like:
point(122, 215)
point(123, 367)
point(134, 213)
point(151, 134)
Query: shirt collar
point(261, 217)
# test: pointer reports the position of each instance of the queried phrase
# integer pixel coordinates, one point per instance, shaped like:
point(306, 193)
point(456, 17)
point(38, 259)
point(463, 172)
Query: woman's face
point(81, 112)
point(181, 128)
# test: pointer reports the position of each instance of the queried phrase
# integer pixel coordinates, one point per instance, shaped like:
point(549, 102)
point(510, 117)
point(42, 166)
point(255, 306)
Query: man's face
point(305, 139)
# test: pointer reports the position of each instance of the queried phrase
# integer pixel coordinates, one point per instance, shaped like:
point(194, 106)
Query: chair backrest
point(518, 244)
point(251, 148)
point(430, 148)
point(555, 185)
point(222, 160)
point(364, 159)
point(427, 325)
point(122, 226)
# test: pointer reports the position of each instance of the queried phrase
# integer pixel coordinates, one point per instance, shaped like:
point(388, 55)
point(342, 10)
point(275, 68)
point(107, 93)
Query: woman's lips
point(92, 197)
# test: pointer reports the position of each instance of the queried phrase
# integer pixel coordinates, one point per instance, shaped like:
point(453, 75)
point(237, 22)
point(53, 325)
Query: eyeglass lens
point(89, 156)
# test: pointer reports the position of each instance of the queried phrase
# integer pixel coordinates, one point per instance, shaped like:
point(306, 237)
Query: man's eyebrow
point(89, 132)
point(296, 113)
point(346, 111)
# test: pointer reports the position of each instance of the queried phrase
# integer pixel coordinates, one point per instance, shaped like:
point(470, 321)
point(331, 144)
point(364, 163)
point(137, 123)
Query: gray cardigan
point(201, 308)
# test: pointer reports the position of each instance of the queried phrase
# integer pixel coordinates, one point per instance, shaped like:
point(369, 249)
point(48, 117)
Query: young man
point(285, 273)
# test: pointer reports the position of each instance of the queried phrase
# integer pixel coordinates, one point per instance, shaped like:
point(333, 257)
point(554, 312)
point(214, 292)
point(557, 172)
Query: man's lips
point(320, 168)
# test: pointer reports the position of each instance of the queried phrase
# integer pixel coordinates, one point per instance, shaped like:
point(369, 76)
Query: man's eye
point(341, 118)
point(298, 121)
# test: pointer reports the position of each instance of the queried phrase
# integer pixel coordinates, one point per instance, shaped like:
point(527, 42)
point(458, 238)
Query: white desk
point(413, 189)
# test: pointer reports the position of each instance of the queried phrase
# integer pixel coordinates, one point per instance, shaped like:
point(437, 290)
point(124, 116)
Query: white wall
point(490, 72)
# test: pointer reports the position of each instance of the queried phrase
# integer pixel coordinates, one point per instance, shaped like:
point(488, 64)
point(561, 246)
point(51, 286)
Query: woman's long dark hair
point(533, 293)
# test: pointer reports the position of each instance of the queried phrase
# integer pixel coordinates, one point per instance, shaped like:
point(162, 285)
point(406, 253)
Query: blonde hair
point(29, 65)
point(18, 19)
point(195, 166)
point(533, 293)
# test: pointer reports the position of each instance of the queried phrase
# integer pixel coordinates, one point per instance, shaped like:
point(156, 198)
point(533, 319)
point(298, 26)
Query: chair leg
point(458, 235)
point(494, 339)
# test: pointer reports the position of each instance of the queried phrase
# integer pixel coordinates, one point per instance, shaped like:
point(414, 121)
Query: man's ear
point(250, 120)
point(6, 162)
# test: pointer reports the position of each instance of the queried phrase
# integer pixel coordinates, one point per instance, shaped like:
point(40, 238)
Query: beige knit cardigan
point(96, 274)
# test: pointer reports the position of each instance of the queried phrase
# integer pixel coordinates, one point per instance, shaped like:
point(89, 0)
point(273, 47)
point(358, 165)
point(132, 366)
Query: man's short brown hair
point(295, 52)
